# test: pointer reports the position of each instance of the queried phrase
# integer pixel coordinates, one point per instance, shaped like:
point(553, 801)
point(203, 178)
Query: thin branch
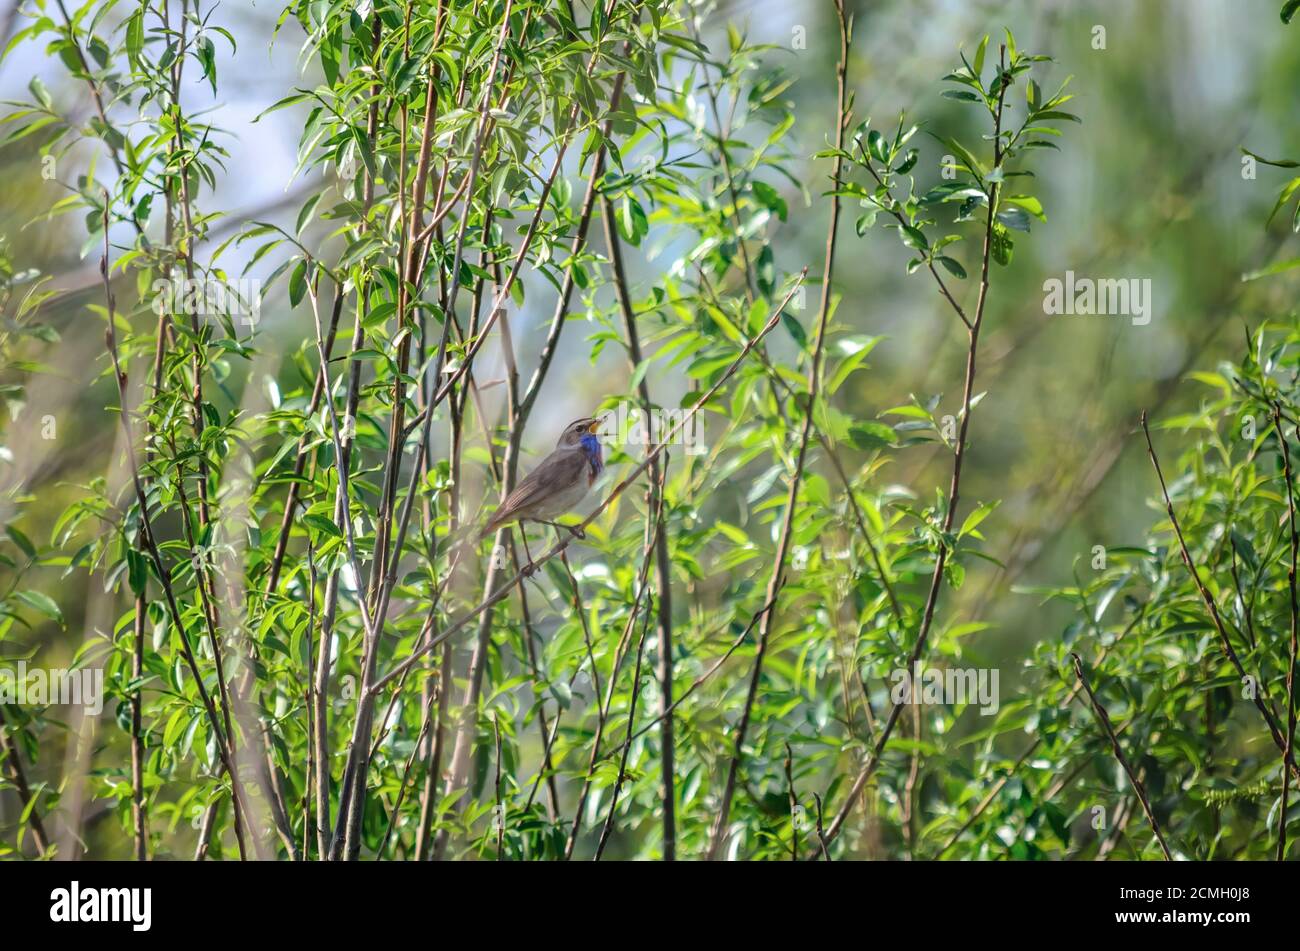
point(139, 813)
point(500, 807)
point(1247, 605)
point(1138, 788)
point(821, 829)
point(1295, 628)
point(16, 775)
point(788, 766)
point(621, 775)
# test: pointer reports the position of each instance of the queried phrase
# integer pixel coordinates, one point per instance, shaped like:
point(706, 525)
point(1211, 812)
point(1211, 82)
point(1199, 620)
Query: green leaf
point(979, 55)
point(877, 147)
point(1271, 270)
point(43, 603)
point(770, 199)
point(1056, 114)
point(283, 103)
point(952, 265)
point(632, 222)
point(305, 214)
point(967, 160)
point(1283, 197)
point(21, 540)
point(1029, 203)
point(914, 237)
point(206, 52)
point(137, 571)
point(868, 434)
point(1245, 549)
point(135, 36)
point(323, 524)
point(1003, 247)
point(974, 518)
point(795, 329)
point(42, 94)
point(298, 284)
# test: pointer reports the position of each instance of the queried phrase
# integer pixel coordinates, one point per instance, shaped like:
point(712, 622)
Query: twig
point(1295, 629)
point(1104, 720)
point(821, 830)
point(621, 776)
point(310, 704)
point(500, 808)
point(19, 780)
point(139, 815)
point(1247, 606)
point(794, 803)
point(406, 775)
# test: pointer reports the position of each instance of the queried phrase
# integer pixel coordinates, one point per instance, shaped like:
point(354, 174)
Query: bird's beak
point(595, 425)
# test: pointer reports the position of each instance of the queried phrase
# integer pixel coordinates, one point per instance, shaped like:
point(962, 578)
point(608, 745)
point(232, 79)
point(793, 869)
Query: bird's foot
point(528, 569)
point(574, 530)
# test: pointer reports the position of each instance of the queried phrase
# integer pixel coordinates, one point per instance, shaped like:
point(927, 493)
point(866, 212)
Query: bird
point(557, 484)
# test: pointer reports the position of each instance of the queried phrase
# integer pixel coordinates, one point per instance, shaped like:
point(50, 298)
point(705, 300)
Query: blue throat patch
point(591, 446)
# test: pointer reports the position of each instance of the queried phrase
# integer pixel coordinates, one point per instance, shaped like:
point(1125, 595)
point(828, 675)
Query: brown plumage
point(558, 483)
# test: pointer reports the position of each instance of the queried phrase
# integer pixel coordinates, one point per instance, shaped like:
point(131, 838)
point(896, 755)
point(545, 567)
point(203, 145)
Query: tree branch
point(1138, 788)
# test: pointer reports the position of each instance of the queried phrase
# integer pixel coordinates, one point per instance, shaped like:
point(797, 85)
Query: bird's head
point(573, 433)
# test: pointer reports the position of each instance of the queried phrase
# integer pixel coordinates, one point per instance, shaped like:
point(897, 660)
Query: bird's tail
point(500, 518)
point(461, 545)
point(468, 536)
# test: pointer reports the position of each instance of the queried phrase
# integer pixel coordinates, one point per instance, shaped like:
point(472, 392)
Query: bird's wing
point(553, 474)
